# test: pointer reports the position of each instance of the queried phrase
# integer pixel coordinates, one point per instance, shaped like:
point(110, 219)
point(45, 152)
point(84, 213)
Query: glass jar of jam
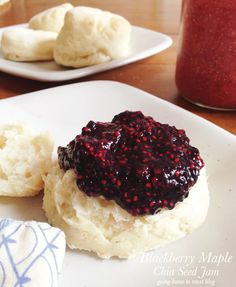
point(206, 61)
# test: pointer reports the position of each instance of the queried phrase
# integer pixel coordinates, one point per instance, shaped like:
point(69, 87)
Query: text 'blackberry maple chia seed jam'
point(139, 163)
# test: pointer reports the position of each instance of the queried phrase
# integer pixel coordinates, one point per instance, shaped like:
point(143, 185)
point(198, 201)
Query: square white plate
point(144, 43)
point(64, 111)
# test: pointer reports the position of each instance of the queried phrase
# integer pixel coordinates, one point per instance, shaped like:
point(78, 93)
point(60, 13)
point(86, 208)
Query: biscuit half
point(98, 225)
point(25, 156)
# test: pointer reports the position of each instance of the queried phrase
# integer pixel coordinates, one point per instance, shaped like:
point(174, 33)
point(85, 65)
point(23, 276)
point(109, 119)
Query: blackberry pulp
point(139, 163)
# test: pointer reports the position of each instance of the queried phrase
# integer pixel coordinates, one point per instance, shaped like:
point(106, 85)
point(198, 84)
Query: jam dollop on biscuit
point(141, 164)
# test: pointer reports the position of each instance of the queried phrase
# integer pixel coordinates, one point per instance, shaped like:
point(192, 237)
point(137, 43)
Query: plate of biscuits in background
point(66, 42)
point(167, 194)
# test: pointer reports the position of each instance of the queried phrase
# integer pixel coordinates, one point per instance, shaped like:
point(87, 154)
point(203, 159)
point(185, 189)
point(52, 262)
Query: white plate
point(144, 43)
point(64, 110)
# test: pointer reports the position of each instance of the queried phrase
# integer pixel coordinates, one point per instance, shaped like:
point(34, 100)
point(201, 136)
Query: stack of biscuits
point(72, 36)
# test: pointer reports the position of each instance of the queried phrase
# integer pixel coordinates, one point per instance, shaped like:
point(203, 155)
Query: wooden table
point(154, 75)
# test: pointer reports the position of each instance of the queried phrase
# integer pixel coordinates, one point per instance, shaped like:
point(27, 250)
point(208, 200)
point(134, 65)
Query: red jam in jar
point(206, 62)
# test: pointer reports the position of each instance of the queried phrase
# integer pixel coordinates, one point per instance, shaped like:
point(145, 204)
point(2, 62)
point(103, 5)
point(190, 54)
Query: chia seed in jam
point(139, 163)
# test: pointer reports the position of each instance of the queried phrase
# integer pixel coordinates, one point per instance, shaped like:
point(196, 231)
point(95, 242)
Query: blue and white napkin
point(31, 254)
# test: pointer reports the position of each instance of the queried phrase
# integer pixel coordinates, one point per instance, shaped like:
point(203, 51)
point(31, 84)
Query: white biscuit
point(102, 226)
point(25, 156)
point(51, 19)
point(20, 44)
point(91, 36)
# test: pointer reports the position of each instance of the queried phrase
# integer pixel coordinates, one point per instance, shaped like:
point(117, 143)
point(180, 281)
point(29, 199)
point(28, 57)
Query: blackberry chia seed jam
point(139, 163)
point(206, 61)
